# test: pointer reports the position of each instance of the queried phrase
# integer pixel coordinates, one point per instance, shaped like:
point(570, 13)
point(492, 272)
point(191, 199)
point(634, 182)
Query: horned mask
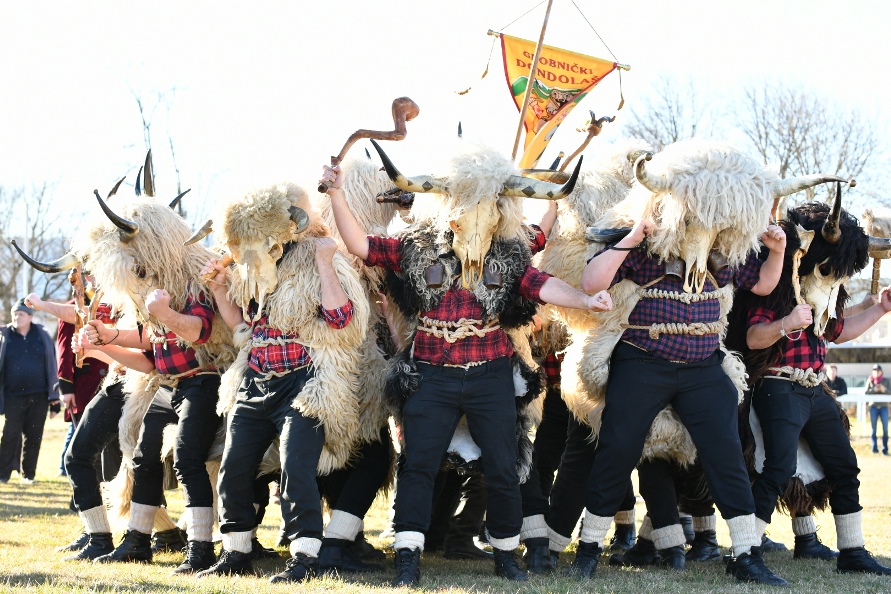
point(480, 203)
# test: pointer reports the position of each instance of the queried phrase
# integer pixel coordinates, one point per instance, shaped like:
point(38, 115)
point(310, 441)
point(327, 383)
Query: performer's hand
point(326, 247)
point(97, 333)
point(67, 399)
point(885, 299)
point(801, 316)
point(600, 301)
point(157, 302)
point(34, 301)
point(54, 408)
point(641, 230)
point(774, 239)
point(209, 268)
point(332, 177)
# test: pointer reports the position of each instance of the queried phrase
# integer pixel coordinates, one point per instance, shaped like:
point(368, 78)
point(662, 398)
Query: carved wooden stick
point(81, 313)
point(404, 110)
point(224, 261)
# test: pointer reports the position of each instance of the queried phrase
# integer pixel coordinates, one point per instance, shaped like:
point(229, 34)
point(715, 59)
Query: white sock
point(409, 540)
point(534, 527)
point(163, 523)
point(703, 523)
point(142, 517)
point(308, 546)
point(558, 542)
point(201, 527)
point(504, 544)
point(594, 528)
point(849, 531)
point(237, 542)
point(343, 526)
point(95, 520)
point(744, 534)
point(624, 517)
point(803, 525)
point(669, 536)
point(646, 529)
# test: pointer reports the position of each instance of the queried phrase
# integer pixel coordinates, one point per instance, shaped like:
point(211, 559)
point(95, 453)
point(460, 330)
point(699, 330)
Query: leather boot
point(506, 566)
point(808, 546)
point(408, 567)
point(199, 556)
point(335, 556)
point(687, 525)
point(587, 555)
point(169, 541)
point(258, 551)
point(364, 550)
point(771, 546)
point(642, 554)
point(623, 538)
point(135, 546)
point(463, 547)
point(230, 563)
point(705, 547)
point(298, 568)
point(750, 567)
point(858, 560)
point(673, 558)
point(77, 544)
point(538, 556)
point(99, 543)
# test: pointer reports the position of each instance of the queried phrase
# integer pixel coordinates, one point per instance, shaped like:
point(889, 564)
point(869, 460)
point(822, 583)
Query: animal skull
point(821, 293)
point(256, 261)
point(698, 241)
point(473, 231)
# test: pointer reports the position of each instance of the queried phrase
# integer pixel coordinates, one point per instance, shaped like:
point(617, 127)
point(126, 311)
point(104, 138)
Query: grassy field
point(34, 519)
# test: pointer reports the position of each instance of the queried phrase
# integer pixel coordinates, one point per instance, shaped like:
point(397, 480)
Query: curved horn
point(66, 262)
point(128, 228)
point(421, 183)
point(654, 183)
point(790, 185)
point(149, 183)
point(205, 230)
point(114, 190)
point(547, 175)
point(831, 230)
point(299, 218)
point(176, 200)
point(526, 187)
point(879, 247)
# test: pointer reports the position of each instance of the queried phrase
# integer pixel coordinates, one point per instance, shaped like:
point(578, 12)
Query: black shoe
point(750, 567)
point(98, 544)
point(483, 536)
point(539, 559)
point(364, 550)
point(771, 546)
point(704, 547)
point(135, 546)
point(586, 558)
point(298, 568)
point(506, 566)
point(408, 568)
point(673, 558)
point(258, 551)
point(169, 541)
point(199, 556)
point(464, 548)
point(335, 556)
point(808, 546)
point(230, 563)
point(642, 554)
point(79, 543)
point(858, 560)
point(623, 538)
point(687, 525)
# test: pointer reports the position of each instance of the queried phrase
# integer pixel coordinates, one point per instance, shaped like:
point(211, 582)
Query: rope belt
point(280, 341)
point(452, 332)
point(687, 298)
point(805, 377)
point(694, 329)
point(157, 380)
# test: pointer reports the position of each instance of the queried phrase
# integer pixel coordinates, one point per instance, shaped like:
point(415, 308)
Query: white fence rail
point(858, 397)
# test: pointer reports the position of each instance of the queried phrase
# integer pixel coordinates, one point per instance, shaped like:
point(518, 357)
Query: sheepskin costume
point(265, 218)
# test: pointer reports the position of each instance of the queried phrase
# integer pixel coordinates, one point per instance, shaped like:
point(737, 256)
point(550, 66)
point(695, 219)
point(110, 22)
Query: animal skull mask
point(698, 242)
point(821, 293)
point(473, 231)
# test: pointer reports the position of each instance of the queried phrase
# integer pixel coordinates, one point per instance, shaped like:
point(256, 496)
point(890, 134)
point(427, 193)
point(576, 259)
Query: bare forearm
point(761, 336)
point(600, 271)
point(229, 311)
point(129, 358)
point(560, 293)
point(185, 326)
point(548, 219)
point(860, 323)
point(354, 236)
point(333, 295)
point(63, 311)
point(769, 274)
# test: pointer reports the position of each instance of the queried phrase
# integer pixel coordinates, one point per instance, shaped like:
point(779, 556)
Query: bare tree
point(804, 133)
point(672, 111)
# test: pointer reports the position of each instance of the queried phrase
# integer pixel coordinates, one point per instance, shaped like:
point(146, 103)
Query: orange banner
point(562, 80)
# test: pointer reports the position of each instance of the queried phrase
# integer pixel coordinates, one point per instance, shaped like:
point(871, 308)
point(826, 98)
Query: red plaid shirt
point(290, 355)
point(551, 366)
point(539, 241)
point(172, 359)
point(687, 348)
point(457, 303)
point(798, 352)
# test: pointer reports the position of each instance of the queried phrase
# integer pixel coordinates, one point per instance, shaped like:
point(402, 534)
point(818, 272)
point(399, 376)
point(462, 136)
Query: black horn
point(128, 229)
point(66, 262)
point(176, 200)
point(831, 229)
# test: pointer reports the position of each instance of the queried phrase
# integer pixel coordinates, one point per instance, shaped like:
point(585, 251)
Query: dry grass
point(35, 518)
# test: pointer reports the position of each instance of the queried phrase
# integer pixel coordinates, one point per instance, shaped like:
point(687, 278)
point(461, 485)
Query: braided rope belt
point(687, 298)
point(171, 381)
point(452, 332)
point(805, 377)
point(694, 329)
point(280, 341)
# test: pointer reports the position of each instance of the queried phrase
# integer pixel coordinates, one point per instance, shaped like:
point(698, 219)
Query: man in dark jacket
point(28, 383)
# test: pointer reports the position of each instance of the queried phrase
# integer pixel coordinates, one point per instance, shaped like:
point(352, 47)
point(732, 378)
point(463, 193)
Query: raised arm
point(775, 240)
point(354, 236)
point(860, 323)
point(63, 311)
point(763, 335)
point(333, 295)
point(219, 286)
point(600, 271)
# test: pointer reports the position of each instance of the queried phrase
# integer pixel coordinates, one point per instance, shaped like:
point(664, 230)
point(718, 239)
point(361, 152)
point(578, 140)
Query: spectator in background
point(28, 383)
point(878, 384)
point(835, 382)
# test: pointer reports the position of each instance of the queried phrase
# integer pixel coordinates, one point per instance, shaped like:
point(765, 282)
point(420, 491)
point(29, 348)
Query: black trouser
point(568, 494)
point(263, 410)
point(485, 395)
point(550, 438)
point(657, 487)
point(787, 411)
point(534, 502)
point(97, 432)
point(354, 488)
point(705, 400)
point(25, 417)
point(192, 407)
point(459, 507)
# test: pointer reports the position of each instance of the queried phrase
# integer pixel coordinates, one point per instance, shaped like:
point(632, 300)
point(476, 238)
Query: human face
point(831, 373)
point(22, 321)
